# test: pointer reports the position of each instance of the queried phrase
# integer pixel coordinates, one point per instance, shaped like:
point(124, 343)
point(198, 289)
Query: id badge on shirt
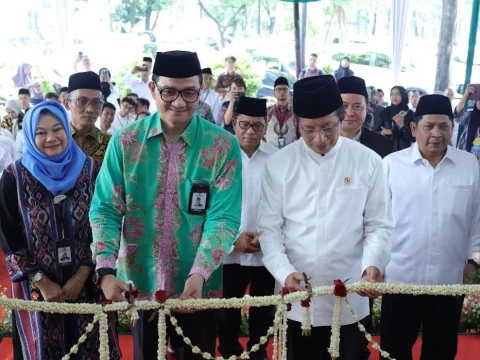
point(198, 200)
point(64, 252)
point(281, 142)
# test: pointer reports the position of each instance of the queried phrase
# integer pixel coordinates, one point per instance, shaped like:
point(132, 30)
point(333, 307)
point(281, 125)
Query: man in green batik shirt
point(145, 222)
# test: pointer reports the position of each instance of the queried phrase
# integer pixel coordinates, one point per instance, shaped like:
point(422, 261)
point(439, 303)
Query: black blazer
point(382, 145)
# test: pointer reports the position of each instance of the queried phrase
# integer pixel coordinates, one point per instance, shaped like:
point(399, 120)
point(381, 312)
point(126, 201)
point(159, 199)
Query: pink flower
point(129, 250)
point(221, 145)
point(132, 228)
point(127, 138)
point(217, 255)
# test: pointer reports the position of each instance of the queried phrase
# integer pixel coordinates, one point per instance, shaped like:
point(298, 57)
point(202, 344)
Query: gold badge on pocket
point(347, 181)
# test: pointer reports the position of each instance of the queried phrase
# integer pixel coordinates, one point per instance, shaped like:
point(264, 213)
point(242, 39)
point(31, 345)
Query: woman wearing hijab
point(397, 117)
point(23, 78)
point(470, 138)
point(44, 202)
point(13, 120)
point(343, 69)
point(37, 94)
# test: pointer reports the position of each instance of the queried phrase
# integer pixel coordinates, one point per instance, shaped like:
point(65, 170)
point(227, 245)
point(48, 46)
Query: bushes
point(252, 72)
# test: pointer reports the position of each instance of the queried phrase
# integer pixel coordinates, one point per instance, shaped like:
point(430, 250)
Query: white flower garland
point(279, 327)
point(334, 348)
point(162, 329)
point(384, 354)
point(82, 338)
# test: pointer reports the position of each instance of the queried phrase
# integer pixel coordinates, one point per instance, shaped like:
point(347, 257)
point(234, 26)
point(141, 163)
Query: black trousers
point(402, 316)
point(200, 327)
point(235, 282)
point(17, 345)
point(315, 346)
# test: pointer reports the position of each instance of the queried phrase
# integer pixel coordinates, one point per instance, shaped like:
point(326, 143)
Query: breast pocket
point(456, 199)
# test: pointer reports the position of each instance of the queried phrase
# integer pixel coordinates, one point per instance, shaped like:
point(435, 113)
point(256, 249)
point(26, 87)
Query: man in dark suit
point(355, 101)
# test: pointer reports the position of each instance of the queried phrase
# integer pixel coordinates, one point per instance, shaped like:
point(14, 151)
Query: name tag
point(198, 201)
point(64, 252)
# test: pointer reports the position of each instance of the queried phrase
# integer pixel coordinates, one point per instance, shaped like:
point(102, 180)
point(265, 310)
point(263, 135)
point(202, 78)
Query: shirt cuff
point(367, 262)
point(200, 270)
point(109, 262)
point(282, 273)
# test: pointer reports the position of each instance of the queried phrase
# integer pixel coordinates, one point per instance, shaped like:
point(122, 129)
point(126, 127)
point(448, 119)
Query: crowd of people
point(199, 191)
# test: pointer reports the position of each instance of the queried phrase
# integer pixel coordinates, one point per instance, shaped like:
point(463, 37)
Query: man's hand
point(135, 69)
point(72, 289)
point(112, 288)
point(192, 290)
point(292, 282)
point(372, 275)
point(244, 243)
point(386, 132)
point(51, 292)
point(256, 242)
point(469, 269)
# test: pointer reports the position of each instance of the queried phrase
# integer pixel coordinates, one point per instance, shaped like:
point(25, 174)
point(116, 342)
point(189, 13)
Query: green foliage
point(252, 72)
point(120, 75)
point(327, 69)
point(123, 11)
point(47, 84)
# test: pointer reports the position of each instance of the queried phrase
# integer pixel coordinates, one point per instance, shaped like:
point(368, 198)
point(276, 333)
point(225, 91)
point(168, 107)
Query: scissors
point(128, 293)
point(306, 282)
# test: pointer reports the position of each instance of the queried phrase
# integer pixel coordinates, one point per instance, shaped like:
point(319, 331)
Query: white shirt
point(252, 169)
point(436, 214)
point(19, 145)
point(120, 122)
point(213, 99)
point(4, 132)
point(328, 216)
point(7, 152)
point(140, 88)
point(114, 96)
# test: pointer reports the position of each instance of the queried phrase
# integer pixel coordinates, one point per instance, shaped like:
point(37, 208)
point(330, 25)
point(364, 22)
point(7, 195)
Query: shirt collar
point(154, 128)
point(416, 155)
point(328, 155)
point(93, 131)
point(358, 136)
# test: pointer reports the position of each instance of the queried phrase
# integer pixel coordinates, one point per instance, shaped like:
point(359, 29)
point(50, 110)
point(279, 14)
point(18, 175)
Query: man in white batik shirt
point(243, 266)
point(435, 196)
point(209, 96)
point(324, 211)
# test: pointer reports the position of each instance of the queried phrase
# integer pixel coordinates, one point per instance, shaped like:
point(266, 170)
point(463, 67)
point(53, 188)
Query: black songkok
point(316, 96)
point(252, 106)
point(352, 85)
point(177, 64)
point(280, 81)
point(84, 80)
point(434, 105)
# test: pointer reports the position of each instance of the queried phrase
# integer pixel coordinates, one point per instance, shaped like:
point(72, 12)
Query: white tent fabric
point(400, 17)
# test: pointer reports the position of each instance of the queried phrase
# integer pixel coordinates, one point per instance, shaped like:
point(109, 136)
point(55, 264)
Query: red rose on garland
point(160, 296)
point(340, 289)
point(284, 292)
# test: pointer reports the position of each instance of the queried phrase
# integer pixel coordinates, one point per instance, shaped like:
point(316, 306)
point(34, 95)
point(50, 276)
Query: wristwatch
point(37, 277)
point(474, 263)
point(100, 273)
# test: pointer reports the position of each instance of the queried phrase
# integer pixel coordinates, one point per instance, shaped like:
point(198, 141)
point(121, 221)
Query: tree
point(133, 11)
point(444, 54)
point(224, 14)
point(270, 7)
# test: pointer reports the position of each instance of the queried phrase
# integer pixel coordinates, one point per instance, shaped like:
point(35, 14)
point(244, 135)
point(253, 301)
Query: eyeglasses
point(245, 125)
point(281, 89)
point(83, 102)
point(326, 131)
point(170, 95)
